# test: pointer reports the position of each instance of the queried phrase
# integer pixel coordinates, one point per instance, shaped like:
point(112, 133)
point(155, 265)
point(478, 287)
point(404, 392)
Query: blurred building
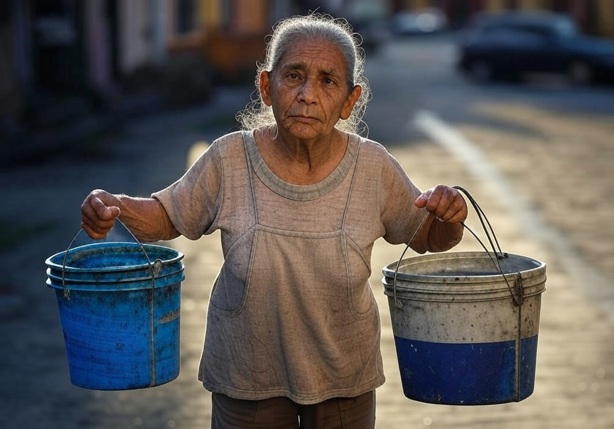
point(63, 58)
point(71, 46)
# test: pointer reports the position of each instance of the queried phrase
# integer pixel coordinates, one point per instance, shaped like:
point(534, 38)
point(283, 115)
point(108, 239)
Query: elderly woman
point(293, 330)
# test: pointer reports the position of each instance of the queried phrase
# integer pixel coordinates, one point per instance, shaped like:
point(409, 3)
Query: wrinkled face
point(308, 89)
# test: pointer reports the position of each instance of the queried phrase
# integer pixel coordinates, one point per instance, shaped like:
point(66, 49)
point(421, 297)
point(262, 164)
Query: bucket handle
point(154, 267)
point(496, 256)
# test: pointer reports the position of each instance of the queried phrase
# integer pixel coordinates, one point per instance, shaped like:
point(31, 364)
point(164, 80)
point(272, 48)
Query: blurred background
point(513, 99)
point(64, 59)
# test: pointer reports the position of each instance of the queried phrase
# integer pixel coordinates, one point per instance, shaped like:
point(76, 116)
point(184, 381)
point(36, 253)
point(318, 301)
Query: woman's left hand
point(445, 203)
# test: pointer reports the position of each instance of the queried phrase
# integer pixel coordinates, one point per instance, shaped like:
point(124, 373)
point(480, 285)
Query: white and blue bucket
point(466, 324)
point(119, 306)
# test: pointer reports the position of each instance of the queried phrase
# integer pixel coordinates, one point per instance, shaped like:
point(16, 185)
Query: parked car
point(513, 44)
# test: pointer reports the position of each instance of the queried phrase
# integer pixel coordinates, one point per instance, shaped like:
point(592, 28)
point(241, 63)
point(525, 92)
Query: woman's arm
point(144, 217)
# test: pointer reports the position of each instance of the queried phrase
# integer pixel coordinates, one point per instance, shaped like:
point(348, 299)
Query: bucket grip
point(516, 291)
point(496, 255)
point(154, 267)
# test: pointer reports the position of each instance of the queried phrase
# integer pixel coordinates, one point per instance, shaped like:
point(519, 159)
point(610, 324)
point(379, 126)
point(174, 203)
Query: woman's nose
point(308, 92)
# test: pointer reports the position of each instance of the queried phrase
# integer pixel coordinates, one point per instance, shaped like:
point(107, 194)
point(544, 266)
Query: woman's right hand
point(98, 213)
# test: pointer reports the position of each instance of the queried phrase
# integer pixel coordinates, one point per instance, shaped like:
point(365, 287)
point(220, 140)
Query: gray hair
point(312, 26)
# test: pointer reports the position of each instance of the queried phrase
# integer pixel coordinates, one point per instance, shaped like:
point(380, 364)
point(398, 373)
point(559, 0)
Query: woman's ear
point(265, 87)
point(348, 106)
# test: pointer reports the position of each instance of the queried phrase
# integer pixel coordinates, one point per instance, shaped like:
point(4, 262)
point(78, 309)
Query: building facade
point(57, 49)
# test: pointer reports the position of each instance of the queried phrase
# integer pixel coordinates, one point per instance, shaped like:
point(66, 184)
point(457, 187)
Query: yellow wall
point(416, 4)
point(534, 4)
point(209, 14)
point(233, 44)
point(421, 4)
point(496, 5)
point(605, 13)
point(250, 16)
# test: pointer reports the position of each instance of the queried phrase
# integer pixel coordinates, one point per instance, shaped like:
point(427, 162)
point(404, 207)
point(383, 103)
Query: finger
point(104, 211)
point(93, 233)
point(422, 199)
point(97, 219)
point(96, 223)
point(456, 211)
point(452, 216)
point(461, 213)
point(445, 202)
point(435, 201)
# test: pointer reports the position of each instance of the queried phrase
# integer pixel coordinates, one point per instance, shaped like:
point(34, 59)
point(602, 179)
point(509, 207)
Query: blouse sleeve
point(193, 201)
point(400, 217)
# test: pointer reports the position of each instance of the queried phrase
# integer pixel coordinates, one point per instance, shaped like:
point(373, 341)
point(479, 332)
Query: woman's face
point(308, 89)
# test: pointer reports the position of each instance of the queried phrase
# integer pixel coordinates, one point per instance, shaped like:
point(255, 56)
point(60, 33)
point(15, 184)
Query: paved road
point(575, 373)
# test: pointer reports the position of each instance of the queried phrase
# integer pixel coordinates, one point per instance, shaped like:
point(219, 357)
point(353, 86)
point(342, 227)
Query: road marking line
point(593, 283)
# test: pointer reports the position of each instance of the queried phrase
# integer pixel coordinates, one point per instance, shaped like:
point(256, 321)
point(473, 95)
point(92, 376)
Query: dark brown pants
point(282, 413)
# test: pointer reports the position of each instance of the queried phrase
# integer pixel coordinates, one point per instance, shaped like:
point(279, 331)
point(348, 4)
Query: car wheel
point(580, 73)
point(481, 71)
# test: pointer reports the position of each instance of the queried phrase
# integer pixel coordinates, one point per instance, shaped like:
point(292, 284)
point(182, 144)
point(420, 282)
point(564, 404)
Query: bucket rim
point(92, 247)
point(390, 269)
point(57, 276)
point(135, 285)
point(451, 295)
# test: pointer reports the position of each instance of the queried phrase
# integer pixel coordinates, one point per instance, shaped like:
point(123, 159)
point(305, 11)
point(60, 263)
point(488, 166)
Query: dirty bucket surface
point(120, 319)
point(461, 338)
point(112, 263)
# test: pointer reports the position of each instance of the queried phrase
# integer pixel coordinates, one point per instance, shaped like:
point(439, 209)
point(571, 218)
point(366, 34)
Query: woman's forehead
point(320, 53)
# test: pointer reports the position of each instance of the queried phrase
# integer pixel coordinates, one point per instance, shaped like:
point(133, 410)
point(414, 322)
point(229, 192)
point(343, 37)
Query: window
point(186, 16)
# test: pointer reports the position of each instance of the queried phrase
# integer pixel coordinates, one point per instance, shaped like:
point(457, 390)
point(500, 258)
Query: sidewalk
point(574, 385)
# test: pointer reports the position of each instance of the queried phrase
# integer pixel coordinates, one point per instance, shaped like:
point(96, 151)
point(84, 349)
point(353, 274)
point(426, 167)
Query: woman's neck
point(299, 161)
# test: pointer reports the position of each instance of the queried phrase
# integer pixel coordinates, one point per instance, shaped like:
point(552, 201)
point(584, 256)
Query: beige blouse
point(292, 312)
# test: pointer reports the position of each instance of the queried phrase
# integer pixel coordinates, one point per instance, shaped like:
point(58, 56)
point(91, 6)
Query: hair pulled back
point(312, 26)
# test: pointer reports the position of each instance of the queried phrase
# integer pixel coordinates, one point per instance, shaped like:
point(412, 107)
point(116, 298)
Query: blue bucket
point(119, 306)
point(466, 330)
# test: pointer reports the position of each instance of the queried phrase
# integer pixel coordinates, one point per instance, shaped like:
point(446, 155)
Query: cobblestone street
point(575, 368)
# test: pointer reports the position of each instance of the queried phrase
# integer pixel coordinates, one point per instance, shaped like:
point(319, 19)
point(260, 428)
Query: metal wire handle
point(496, 256)
point(154, 267)
point(398, 303)
point(516, 291)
